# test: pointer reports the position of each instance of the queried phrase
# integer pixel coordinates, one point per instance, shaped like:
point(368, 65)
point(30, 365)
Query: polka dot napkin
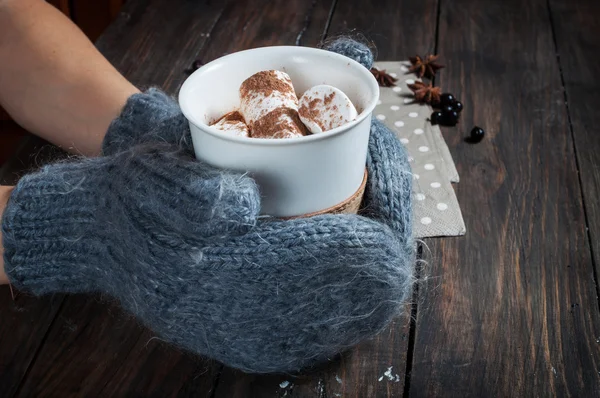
point(436, 209)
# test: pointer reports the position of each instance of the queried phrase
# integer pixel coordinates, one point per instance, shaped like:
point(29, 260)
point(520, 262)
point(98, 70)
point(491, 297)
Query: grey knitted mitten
point(177, 243)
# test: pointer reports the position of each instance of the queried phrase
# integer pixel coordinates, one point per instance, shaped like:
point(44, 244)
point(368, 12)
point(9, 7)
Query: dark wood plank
point(374, 368)
point(11, 136)
point(114, 7)
point(29, 155)
point(236, 384)
point(398, 28)
point(153, 42)
point(25, 322)
point(92, 17)
point(155, 369)
point(577, 32)
point(91, 339)
point(267, 23)
point(87, 340)
point(511, 309)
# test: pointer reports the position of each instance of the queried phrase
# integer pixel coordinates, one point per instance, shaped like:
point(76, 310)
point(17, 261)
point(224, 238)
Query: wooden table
point(511, 309)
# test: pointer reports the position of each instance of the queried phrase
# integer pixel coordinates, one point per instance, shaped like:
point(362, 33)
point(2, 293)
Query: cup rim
point(185, 105)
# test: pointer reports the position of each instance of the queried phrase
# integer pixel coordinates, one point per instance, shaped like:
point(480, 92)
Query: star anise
point(384, 79)
point(426, 93)
point(425, 66)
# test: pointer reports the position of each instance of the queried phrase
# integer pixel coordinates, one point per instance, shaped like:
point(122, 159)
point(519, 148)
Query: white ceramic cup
point(295, 176)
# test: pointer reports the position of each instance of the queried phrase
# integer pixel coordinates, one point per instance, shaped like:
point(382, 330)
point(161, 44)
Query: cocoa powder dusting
point(275, 124)
point(312, 112)
point(265, 82)
point(231, 118)
point(329, 98)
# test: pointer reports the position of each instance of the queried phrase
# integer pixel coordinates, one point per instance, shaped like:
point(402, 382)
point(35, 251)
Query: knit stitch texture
point(180, 245)
point(148, 117)
point(351, 48)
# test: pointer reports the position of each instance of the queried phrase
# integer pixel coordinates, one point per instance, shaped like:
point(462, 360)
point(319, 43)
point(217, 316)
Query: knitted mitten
point(165, 236)
point(351, 48)
point(173, 241)
point(76, 221)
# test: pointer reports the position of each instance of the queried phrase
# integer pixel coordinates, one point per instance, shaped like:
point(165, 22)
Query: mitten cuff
point(152, 116)
point(46, 229)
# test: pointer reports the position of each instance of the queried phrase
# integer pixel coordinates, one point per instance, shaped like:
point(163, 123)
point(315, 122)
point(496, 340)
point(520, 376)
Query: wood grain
point(153, 43)
point(511, 308)
point(31, 153)
point(250, 24)
point(155, 369)
point(576, 32)
point(89, 338)
point(398, 28)
point(25, 322)
point(92, 17)
point(114, 7)
point(11, 135)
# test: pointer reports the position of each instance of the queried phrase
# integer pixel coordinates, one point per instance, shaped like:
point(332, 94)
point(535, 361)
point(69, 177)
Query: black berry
point(436, 117)
point(447, 109)
point(447, 99)
point(476, 136)
point(449, 118)
point(458, 106)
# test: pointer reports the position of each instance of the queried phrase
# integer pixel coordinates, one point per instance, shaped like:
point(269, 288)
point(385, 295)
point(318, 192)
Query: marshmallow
point(324, 107)
point(233, 123)
point(269, 105)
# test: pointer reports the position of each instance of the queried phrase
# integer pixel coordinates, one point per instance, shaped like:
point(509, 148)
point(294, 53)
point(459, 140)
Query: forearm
point(53, 81)
point(4, 195)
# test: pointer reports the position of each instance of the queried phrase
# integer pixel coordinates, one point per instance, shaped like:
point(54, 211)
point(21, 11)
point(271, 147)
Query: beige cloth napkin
point(436, 209)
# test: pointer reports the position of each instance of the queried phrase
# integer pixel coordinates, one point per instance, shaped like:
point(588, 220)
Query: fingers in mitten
point(353, 45)
point(50, 224)
point(191, 196)
point(290, 294)
point(152, 116)
point(388, 195)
